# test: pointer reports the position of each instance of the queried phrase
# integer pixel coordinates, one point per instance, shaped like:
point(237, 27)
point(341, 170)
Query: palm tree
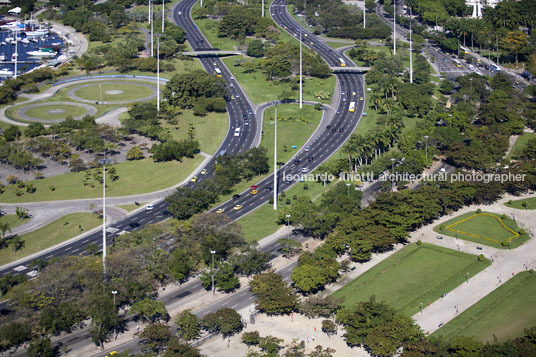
point(4, 227)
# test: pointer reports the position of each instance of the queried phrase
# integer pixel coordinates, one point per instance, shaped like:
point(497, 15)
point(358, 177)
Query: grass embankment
point(531, 203)
point(503, 314)
point(210, 129)
point(135, 177)
point(12, 221)
point(132, 207)
point(485, 228)
point(261, 90)
point(415, 274)
point(56, 232)
point(520, 144)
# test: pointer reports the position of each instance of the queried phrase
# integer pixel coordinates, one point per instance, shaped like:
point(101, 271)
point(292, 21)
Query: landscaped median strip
point(451, 226)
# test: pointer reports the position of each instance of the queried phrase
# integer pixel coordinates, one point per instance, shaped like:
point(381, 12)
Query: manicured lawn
point(12, 220)
point(260, 90)
point(336, 45)
point(135, 177)
point(483, 229)
point(290, 132)
point(531, 203)
point(520, 144)
point(413, 275)
point(51, 234)
point(504, 313)
point(209, 28)
point(294, 127)
point(129, 92)
point(131, 207)
point(210, 130)
point(42, 112)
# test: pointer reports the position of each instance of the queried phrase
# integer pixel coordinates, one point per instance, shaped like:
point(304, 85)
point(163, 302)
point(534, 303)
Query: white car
point(237, 132)
point(149, 207)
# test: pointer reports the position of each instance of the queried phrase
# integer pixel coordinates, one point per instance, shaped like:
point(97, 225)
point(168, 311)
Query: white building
point(478, 5)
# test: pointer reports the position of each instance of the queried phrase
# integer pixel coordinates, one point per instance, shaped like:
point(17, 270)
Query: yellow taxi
point(254, 192)
point(361, 98)
point(220, 210)
point(237, 207)
point(194, 179)
point(203, 172)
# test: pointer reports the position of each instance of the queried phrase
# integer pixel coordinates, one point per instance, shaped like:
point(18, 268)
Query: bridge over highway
point(213, 53)
point(350, 69)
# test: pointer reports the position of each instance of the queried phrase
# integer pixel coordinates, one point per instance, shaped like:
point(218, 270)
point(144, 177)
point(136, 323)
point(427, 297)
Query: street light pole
point(410, 50)
point(262, 11)
point(426, 146)
point(152, 31)
point(163, 15)
point(16, 55)
point(288, 224)
point(149, 14)
point(301, 68)
point(275, 160)
point(114, 292)
point(394, 27)
point(212, 271)
point(158, 72)
point(364, 12)
point(348, 189)
point(104, 219)
point(393, 171)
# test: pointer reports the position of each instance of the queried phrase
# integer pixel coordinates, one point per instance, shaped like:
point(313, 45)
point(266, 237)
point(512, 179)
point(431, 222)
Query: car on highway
point(246, 122)
point(237, 207)
point(114, 353)
point(231, 85)
point(304, 170)
point(214, 63)
point(244, 116)
point(354, 93)
point(341, 130)
point(235, 197)
point(220, 210)
point(307, 148)
point(361, 98)
point(297, 161)
point(149, 207)
point(254, 192)
point(203, 172)
point(237, 95)
point(344, 99)
point(232, 97)
point(342, 82)
point(250, 112)
point(194, 179)
point(333, 130)
point(343, 93)
point(268, 189)
point(254, 187)
point(311, 158)
point(133, 225)
point(180, 12)
point(231, 77)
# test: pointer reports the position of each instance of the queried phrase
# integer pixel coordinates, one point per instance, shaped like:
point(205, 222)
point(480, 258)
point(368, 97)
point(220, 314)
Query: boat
point(37, 33)
point(4, 72)
point(43, 52)
point(14, 57)
point(25, 41)
point(2, 57)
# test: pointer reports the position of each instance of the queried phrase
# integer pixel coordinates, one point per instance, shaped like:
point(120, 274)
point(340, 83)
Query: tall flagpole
point(152, 23)
point(275, 161)
point(364, 12)
point(158, 73)
point(16, 55)
point(104, 219)
point(149, 16)
point(410, 50)
point(394, 27)
point(163, 15)
point(301, 68)
point(262, 11)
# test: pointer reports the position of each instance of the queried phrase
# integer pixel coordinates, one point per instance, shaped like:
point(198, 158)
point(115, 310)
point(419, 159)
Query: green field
point(504, 313)
point(531, 203)
point(260, 90)
point(51, 234)
point(97, 92)
point(135, 177)
point(520, 144)
point(132, 207)
point(210, 129)
point(336, 45)
point(483, 229)
point(12, 221)
point(41, 112)
point(413, 275)
point(294, 127)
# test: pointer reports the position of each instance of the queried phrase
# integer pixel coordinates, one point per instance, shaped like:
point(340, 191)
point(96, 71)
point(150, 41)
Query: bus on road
point(464, 50)
point(217, 72)
point(457, 63)
point(351, 108)
point(494, 67)
point(342, 62)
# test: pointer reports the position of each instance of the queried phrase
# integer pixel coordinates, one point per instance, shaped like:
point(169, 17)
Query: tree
point(177, 348)
point(270, 345)
point(289, 247)
point(12, 133)
point(34, 129)
point(224, 278)
point(251, 338)
point(226, 321)
point(255, 48)
point(181, 264)
point(135, 153)
point(321, 352)
point(274, 296)
point(329, 327)
point(41, 347)
point(316, 306)
point(16, 333)
point(188, 326)
point(446, 86)
point(60, 318)
point(104, 318)
point(155, 337)
point(149, 309)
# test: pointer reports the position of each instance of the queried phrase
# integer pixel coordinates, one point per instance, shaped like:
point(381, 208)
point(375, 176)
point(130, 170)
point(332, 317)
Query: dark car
point(133, 224)
point(268, 189)
point(342, 82)
point(297, 161)
point(311, 158)
point(235, 197)
point(333, 130)
point(526, 75)
point(328, 127)
point(341, 130)
point(244, 116)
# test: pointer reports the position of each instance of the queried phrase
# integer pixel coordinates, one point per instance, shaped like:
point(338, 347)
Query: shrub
point(251, 338)
point(503, 216)
point(478, 211)
point(481, 258)
point(419, 242)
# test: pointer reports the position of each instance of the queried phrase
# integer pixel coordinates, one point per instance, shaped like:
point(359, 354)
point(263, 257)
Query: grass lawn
point(336, 45)
point(260, 90)
point(520, 144)
point(261, 222)
point(129, 91)
point(51, 234)
point(209, 28)
point(135, 177)
point(210, 130)
point(290, 132)
point(504, 313)
point(42, 112)
point(12, 220)
point(531, 203)
point(132, 207)
point(483, 229)
point(413, 275)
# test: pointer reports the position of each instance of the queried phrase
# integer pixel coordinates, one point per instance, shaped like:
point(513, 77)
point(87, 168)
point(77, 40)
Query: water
point(22, 67)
